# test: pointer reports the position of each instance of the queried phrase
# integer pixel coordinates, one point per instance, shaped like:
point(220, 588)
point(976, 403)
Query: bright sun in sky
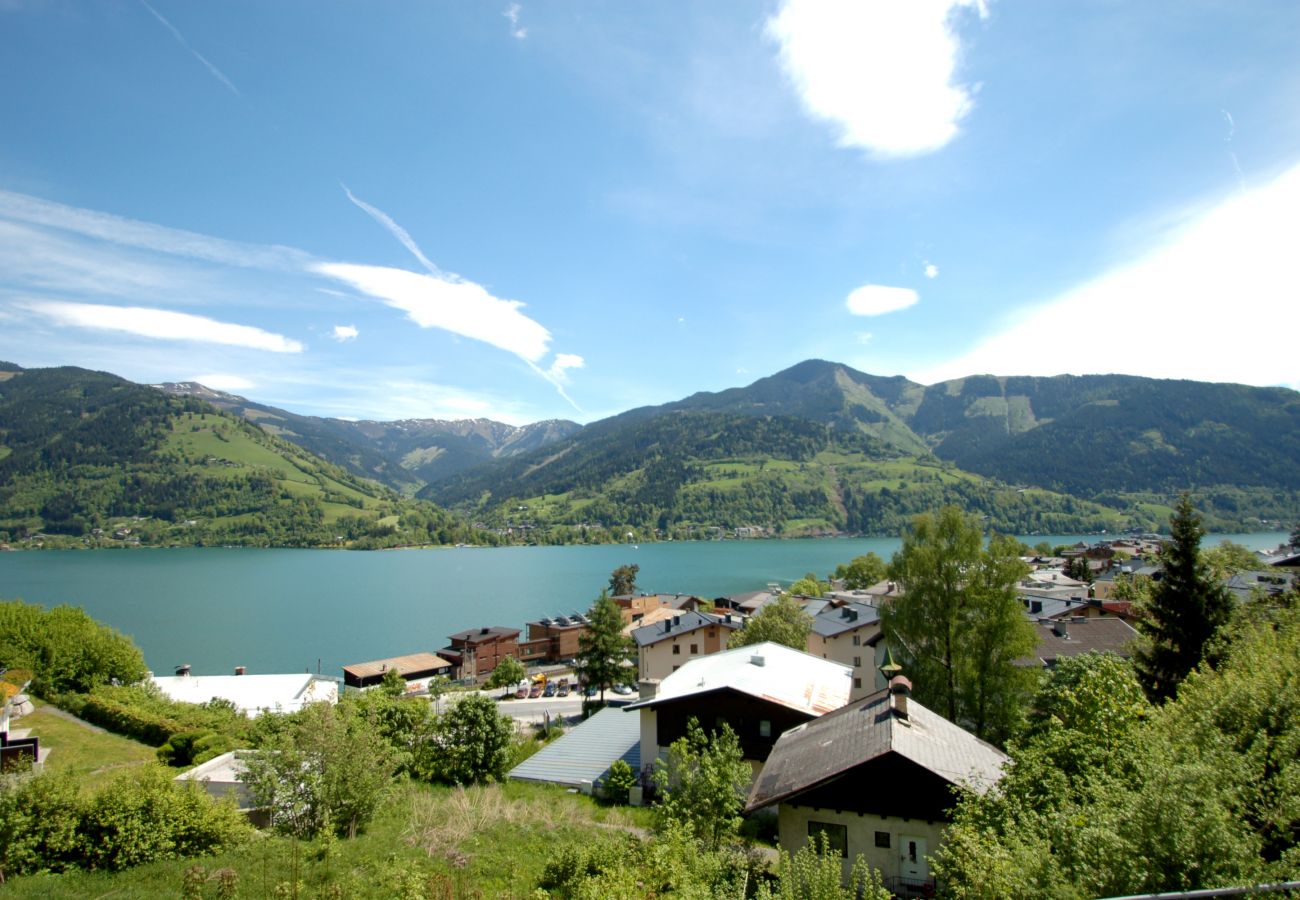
point(567, 209)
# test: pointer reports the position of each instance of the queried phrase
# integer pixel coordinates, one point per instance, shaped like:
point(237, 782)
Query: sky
point(568, 209)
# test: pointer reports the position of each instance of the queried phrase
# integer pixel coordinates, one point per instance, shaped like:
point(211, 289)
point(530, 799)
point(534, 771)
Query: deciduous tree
point(471, 742)
point(508, 673)
point(783, 621)
point(702, 784)
point(1186, 609)
point(959, 625)
point(861, 572)
point(622, 581)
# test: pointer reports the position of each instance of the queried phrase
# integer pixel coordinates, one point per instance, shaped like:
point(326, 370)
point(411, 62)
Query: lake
point(297, 610)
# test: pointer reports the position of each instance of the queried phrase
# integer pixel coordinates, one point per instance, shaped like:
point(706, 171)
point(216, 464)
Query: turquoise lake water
point(292, 610)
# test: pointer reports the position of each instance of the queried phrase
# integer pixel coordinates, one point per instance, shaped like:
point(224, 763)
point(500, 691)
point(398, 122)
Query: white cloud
point(562, 363)
point(931, 270)
point(1210, 300)
point(343, 333)
point(147, 236)
point(864, 337)
point(161, 324)
point(461, 307)
point(880, 70)
point(512, 13)
point(878, 299)
point(222, 382)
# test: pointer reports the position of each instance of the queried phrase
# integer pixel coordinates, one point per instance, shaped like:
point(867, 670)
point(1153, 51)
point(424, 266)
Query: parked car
point(549, 691)
point(521, 693)
point(535, 692)
point(563, 690)
point(622, 689)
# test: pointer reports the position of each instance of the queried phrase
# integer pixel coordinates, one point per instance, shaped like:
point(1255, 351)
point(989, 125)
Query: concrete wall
point(861, 828)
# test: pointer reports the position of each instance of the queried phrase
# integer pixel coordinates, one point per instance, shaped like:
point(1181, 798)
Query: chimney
point(1061, 628)
point(649, 688)
point(758, 660)
point(240, 670)
point(1035, 606)
point(484, 630)
point(899, 690)
point(183, 671)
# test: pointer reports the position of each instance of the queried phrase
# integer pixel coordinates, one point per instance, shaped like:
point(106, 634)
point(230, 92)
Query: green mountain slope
point(405, 454)
point(821, 446)
point(87, 458)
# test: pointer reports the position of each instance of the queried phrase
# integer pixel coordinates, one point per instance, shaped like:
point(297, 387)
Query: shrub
point(620, 781)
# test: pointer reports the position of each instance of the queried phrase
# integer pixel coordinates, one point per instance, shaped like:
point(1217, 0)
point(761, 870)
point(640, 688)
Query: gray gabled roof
point(678, 625)
point(819, 751)
point(585, 753)
point(832, 620)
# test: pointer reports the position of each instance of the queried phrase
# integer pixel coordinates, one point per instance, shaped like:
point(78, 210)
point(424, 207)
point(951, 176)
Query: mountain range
point(822, 448)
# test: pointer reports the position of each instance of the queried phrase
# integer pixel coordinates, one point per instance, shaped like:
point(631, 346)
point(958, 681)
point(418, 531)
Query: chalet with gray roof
point(850, 635)
point(1076, 635)
point(665, 646)
point(877, 778)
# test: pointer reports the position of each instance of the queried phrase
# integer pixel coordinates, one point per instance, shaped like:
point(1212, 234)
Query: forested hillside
point(405, 455)
point(87, 458)
point(822, 447)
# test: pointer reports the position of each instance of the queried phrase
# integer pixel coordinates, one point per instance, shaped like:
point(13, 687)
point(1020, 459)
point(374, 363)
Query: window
point(677, 651)
point(765, 728)
point(857, 640)
point(857, 682)
point(882, 839)
point(695, 648)
point(857, 662)
point(837, 836)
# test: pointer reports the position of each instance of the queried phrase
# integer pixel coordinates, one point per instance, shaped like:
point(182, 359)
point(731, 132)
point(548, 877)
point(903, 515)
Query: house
point(877, 778)
point(665, 646)
point(848, 634)
point(553, 639)
point(761, 691)
point(1245, 586)
point(252, 695)
point(417, 669)
point(476, 652)
point(223, 776)
point(1076, 635)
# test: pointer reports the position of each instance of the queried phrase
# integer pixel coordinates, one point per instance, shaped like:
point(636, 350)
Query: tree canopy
point(861, 572)
point(604, 652)
point(1184, 612)
point(702, 784)
point(622, 581)
point(783, 621)
point(959, 627)
point(65, 649)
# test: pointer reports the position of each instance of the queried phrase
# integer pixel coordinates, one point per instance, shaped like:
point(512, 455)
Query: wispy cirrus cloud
point(512, 13)
point(180, 39)
point(147, 236)
point(882, 71)
point(1208, 301)
point(160, 324)
point(879, 299)
point(448, 302)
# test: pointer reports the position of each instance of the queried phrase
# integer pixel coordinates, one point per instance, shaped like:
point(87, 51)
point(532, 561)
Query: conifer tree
point(1186, 609)
point(604, 651)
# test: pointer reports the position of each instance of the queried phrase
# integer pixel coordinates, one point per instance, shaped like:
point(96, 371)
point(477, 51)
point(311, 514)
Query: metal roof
point(251, 694)
point(585, 753)
point(830, 746)
point(412, 662)
point(679, 624)
point(832, 621)
point(768, 671)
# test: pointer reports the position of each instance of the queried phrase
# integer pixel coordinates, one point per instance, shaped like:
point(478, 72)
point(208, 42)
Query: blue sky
point(567, 209)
